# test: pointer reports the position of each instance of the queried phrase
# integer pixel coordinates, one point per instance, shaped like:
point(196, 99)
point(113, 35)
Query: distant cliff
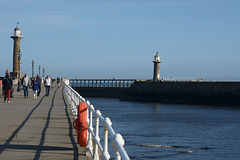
point(208, 93)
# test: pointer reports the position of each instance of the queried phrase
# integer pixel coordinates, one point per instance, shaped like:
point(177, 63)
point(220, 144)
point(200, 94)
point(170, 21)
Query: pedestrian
point(35, 87)
point(52, 81)
point(39, 84)
point(48, 84)
point(58, 82)
point(26, 83)
point(7, 87)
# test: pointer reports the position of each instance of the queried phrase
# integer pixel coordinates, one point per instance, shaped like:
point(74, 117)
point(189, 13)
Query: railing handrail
point(104, 79)
point(193, 79)
point(117, 141)
point(102, 83)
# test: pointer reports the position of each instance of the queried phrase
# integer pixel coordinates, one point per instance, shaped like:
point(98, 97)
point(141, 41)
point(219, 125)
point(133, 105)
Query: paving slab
point(39, 128)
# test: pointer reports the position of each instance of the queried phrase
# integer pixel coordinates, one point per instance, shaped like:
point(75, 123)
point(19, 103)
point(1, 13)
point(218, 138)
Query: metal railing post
point(105, 142)
point(119, 140)
point(95, 154)
point(90, 143)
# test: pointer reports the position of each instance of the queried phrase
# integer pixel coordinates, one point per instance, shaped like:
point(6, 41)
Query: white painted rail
point(94, 146)
point(182, 79)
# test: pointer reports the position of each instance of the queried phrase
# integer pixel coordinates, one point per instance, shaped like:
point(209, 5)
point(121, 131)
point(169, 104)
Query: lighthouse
point(17, 36)
point(156, 71)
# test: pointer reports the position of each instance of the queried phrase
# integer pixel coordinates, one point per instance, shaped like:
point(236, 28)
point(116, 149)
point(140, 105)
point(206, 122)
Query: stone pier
point(39, 128)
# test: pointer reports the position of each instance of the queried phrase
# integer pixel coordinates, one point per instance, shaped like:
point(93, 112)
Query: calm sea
point(175, 132)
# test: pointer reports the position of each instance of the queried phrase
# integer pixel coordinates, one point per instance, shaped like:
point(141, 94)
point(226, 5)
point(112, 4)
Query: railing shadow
point(40, 146)
point(6, 144)
point(75, 147)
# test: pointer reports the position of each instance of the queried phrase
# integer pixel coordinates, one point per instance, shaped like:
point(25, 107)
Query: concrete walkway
point(38, 129)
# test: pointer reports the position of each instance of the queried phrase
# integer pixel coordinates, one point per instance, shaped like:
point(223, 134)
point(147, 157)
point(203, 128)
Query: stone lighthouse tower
point(156, 71)
point(17, 36)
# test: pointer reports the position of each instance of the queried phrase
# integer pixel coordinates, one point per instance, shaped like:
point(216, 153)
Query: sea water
point(175, 132)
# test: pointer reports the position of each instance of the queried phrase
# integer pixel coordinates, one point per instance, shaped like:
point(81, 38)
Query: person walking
point(58, 82)
point(7, 87)
point(39, 84)
point(35, 87)
point(26, 83)
point(48, 84)
point(52, 81)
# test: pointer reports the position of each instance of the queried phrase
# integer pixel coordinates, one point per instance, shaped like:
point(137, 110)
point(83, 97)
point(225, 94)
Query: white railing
point(94, 145)
point(182, 79)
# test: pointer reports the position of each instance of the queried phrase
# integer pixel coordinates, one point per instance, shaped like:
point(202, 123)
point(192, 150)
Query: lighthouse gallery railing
point(94, 145)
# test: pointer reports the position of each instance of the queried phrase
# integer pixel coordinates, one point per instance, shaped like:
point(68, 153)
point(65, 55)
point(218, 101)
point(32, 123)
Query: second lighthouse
point(156, 71)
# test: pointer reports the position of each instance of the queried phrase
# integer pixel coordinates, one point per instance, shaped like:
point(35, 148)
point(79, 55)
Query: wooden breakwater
point(207, 93)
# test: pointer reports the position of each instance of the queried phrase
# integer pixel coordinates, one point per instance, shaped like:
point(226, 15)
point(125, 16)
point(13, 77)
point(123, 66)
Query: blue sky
point(110, 38)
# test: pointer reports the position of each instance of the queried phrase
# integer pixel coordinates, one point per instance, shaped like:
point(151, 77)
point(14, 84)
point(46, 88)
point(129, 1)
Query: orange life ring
point(82, 124)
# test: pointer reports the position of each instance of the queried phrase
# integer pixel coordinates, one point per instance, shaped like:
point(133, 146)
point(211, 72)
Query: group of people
point(35, 84)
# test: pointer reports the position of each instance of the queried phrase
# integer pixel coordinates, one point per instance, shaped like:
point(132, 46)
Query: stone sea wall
point(100, 92)
point(207, 93)
point(212, 93)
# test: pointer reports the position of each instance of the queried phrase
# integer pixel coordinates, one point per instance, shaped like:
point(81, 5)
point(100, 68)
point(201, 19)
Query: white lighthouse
point(156, 71)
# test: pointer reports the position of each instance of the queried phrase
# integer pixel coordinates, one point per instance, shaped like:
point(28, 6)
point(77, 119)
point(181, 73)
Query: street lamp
point(43, 71)
point(19, 62)
point(32, 69)
point(39, 67)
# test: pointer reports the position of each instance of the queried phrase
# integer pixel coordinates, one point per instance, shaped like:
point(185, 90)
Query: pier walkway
point(39, 128)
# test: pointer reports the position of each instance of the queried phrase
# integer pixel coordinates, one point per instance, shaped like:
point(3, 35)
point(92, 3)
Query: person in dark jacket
point(39, 84)
point(58, 82)
point(35, 87)
point(7, 86)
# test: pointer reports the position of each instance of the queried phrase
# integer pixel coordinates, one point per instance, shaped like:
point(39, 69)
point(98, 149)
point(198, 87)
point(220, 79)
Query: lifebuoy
point(82, 124)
